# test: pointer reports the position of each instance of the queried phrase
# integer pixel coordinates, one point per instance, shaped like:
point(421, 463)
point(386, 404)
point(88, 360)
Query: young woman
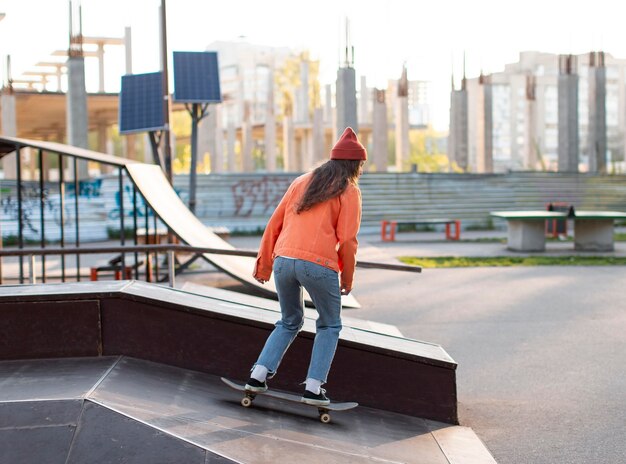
point(310, 241)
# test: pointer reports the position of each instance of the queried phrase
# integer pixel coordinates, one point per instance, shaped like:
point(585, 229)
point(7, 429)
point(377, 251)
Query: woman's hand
point(345, 290)
point(261, 281)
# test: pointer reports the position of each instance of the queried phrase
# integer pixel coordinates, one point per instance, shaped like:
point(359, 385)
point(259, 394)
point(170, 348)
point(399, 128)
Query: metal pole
point(167, 154)
point(62, 212)
point(135, 230)
point(31, 270)
point(122, 230)
point(76, 188)
point(194, 157)
point(20, 226)
point(170, 267)
point(155, 149)
point(42, 222)
point(156, 254)
point(147, 238)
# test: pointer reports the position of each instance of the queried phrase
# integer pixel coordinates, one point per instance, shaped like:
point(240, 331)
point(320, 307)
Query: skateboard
point(324, 411)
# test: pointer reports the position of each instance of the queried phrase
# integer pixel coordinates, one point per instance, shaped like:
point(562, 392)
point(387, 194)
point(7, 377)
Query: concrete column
point(484, 115)
point(346, 100)
point(270, 126)
point(100, 53)
point(148, 157)
point(102, 139)
point(8, 128)
point(364, 102)
point(230, 146)
point(380, 132)
point(247, 142)
point(59, 76)
point(318, 143)
point(458, 136)
point(304, 154)
point(217, 144)
point(568, 114)
point(128, 50)
point(402, 122)
point(77, 115)
point(328, 105)
point(209, 139)
point(302, 102)
point(206, 135)
point(530, 136)
point(597, 139)
point(402, 133)
point(517, 87)
point(289, 144)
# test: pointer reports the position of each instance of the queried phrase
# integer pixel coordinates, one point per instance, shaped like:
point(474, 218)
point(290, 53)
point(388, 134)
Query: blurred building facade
point(520, 107)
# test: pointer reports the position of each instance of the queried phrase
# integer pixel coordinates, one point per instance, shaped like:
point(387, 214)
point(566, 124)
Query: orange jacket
point(324, 234)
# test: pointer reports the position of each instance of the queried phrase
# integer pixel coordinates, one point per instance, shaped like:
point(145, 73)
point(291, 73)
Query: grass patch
point(508, 261)
point(482, 240)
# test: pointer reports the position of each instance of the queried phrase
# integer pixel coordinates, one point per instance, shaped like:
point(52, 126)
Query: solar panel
point(196, 77)
point(141, 103)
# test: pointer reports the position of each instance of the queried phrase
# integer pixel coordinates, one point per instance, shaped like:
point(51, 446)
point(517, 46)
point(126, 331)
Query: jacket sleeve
point(348, 224)
point(265, 256)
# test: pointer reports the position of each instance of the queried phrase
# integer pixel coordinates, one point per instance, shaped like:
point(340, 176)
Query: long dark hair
point(329, 181)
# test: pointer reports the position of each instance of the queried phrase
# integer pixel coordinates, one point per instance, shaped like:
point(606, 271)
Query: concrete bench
point(392, 225)
point(593, 230)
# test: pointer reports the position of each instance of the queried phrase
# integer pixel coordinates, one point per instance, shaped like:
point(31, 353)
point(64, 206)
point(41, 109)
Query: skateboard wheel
point(246, 402)
point(325, 418)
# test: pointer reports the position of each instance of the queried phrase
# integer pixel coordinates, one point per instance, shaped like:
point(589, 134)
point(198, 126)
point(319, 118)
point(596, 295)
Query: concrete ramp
point(120, 409)
point(159, 194)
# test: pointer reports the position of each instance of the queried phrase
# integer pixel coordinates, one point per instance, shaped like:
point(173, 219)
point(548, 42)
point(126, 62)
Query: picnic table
point(593, 230)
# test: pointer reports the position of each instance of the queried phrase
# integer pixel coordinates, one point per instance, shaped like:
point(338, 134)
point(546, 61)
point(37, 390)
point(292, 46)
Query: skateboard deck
point(324, 411)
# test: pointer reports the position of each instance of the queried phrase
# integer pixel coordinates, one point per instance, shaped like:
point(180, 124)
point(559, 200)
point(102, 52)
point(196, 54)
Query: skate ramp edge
point(219, 337)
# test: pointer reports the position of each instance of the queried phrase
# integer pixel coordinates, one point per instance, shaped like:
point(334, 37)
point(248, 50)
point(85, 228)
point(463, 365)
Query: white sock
point(313, 386)
point(259, 373)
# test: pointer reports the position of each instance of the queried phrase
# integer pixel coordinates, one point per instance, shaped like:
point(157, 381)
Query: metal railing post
point(20, 213)
point(42, 216)
point(171, 267)
point(62, 211)
point(32, 279)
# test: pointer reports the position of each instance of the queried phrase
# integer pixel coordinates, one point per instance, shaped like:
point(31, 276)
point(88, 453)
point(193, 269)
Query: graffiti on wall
point(34, 201)
point(258, 195)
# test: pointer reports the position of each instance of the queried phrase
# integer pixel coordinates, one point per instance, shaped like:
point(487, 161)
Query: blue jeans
point(322, 284)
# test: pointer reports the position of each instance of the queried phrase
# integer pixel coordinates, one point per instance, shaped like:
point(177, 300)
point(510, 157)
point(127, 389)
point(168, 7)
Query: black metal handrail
point(177, 248)
point(14, 146)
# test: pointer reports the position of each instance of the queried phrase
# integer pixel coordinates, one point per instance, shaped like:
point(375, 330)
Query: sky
point(431, 37)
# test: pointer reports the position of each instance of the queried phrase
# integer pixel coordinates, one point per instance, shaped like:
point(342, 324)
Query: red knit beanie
point(348, 147)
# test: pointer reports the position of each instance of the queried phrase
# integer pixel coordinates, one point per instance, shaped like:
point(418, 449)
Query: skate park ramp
point(128, 371)
point(121, 409)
